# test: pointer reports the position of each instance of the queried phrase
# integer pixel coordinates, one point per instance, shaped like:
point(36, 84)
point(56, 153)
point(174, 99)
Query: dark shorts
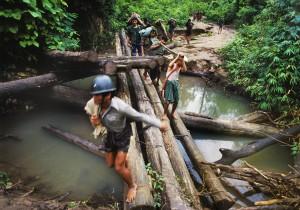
point(118, 141)
point(172, 91)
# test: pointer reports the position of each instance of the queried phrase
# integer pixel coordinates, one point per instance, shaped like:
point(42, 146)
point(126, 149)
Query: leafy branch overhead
point(38, 24)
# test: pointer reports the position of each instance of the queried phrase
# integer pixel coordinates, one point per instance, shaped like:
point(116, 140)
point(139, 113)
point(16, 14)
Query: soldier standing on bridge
point(116, 115)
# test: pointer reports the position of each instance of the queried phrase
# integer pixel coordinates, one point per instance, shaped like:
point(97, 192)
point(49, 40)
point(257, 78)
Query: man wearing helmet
point(115, 115)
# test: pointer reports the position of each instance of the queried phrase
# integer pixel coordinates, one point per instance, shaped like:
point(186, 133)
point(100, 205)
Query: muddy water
point(216, 103)
point(62, 167)
point(56, 165)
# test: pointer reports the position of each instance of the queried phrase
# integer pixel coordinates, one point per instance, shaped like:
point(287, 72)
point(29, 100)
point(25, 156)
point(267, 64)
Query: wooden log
point(144, 199)
point(125, 49)
point(253, 117)
point(229, 156)
point(83, 143)
point(172, 149)
point(13, 87)
point(232, 127)
point(45, 80)
point(50, 79)
point(234, 190)
point(221, 198)
point(136, 164)
point(155, 148)
point(93, 57)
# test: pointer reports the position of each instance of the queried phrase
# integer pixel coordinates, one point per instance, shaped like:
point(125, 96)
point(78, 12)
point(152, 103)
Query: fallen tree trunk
point(221, 198)
point(13, 87)
point(144, 199)
point(227, 126)
point(50, 79)
point(253, 117)
point(83, 143)
point(172, 149)
point(229, 156)
point(156, 150)
point(68, 58)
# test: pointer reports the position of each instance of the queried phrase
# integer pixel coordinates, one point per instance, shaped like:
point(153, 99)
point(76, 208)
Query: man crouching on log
point(115, 115)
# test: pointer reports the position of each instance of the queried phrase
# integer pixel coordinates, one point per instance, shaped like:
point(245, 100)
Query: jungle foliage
point(265, 58)
point(31, 25)
point(238, 11)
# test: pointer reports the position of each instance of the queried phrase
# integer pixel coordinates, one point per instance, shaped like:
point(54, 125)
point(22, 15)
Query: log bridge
point(161, 149)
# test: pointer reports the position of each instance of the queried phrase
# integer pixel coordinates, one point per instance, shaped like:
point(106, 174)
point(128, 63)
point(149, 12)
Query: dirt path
point(202, 51)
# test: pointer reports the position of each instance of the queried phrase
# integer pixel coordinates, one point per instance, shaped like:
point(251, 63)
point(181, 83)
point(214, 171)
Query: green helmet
point(102, 84)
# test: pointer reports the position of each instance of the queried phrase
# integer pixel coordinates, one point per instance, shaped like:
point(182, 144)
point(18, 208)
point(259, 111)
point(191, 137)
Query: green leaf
point(30, 2)
point(35, 14)
point(13, 29)
point(9, 13)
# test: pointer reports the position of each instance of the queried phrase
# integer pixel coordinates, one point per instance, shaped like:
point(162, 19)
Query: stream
point(58, 167)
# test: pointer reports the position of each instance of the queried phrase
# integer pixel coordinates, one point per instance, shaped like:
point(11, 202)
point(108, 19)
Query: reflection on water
point(60, 166)
point(194, 92)
point(217, 104)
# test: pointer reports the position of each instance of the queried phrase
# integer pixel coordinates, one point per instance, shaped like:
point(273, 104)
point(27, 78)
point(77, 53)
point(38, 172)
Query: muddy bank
point(202, 53)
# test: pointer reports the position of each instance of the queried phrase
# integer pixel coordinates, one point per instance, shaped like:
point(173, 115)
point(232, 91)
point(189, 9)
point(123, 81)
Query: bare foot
point(131, 193)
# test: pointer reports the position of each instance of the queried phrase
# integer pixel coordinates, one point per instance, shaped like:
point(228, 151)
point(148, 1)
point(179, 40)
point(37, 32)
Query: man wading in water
point(171, 84)
point(115, 115)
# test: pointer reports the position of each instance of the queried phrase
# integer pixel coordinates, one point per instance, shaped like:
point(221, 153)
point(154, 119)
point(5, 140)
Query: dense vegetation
point(265, 58)
point(28, 26)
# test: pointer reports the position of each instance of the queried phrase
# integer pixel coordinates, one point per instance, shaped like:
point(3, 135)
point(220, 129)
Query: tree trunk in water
point(222, 199)
point(232, 127)
point(172, 149)
point(83, 143)
point(229, 156)
point(156, 151)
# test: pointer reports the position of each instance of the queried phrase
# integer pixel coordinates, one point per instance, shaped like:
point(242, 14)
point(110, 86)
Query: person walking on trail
point(188, 33)
point(172, 25)
point(134, 39)
point(115, 115)
point(220, 25)
point(171, 84)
